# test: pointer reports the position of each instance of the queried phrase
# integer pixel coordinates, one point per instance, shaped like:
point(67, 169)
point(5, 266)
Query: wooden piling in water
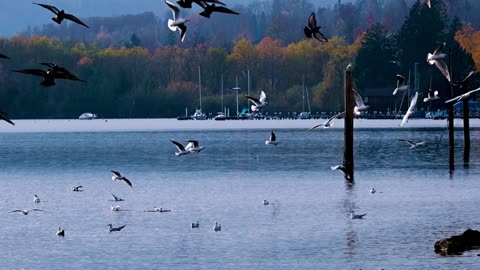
point(451, 141)
point(466, 127)
point(348, 130)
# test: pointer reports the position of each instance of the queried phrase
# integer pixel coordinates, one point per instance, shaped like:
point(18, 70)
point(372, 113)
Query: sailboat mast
point(248, 89)
point(200, 86)
point(303, 93)
point(223, 110)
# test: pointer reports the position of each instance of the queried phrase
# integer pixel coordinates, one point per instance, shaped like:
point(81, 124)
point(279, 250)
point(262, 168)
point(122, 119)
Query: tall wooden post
point(466, 127)
point(451, 141)
point(348, 131)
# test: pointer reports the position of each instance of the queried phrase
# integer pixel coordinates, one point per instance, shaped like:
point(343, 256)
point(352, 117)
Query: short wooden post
point(348, 130)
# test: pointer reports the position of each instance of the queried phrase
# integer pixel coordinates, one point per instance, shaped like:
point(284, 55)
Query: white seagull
point(436, 58)
point(265, 202)
point(463, 96)
point(272, 139)
point(36, 199)
point(432, 95)
point(342, 169)
point(373, 190)
point(181, 150)
point(177, 22)
point(427, 2)
point(115, 229)
point(353, 216)
point(328, 123)
point(115, 208)
point(359, 101)
point(258, 102)
point(116, 199)
point(412, 144)
point(400, 84)
point(193, 146)
point(60, 232)
point(118, 177)
point(410, 110)
point(217, 227)
point(26, 211)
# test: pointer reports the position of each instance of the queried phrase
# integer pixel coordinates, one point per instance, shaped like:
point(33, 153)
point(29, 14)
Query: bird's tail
point(254, 108)
point(171, 26)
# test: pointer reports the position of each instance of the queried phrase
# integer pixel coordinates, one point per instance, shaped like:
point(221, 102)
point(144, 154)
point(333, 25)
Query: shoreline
point(172, 124)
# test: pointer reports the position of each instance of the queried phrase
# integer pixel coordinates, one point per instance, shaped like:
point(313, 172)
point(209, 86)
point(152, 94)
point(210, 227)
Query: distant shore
point(118, 125)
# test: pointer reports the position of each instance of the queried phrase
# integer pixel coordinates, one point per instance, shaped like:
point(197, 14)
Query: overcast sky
point(16, 15)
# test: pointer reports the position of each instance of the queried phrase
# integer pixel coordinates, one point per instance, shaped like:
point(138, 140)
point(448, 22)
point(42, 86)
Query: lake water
point(306, 226)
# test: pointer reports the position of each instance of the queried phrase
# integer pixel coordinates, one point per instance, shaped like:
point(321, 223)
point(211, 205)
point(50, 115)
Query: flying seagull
point(181, 150)
point(6, 119)
point(50, 75)
point(60, 232)
point(432, 95)
point(463, 96)
point(400, 84)
point(77, 189)
point(4, 56)
point(188, 3)
point(410, 110)
point(258, 102)
point(61, 71)
point(209, 9)
point(115, 229)
point(465, 81)
point(312, 30)
point(118, 177)
point(412, 144)
point(25, 211)
point(328, 123)
point(342, 169)
point(116, 199)
point(436, 58)
point(354, 216)
point(36, 199)
point(272, 139)
point(60, 15)
point(193, 146)
point(360, 105)
point(177, 22)
point(427, 2)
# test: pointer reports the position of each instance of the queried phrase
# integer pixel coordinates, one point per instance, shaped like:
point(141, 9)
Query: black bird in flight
point(60, 15)
point(209, 9)
point(312, 30)
point(4, 56)
point(49, 76)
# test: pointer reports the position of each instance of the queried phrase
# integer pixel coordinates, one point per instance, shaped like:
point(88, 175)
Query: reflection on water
point(306, 226)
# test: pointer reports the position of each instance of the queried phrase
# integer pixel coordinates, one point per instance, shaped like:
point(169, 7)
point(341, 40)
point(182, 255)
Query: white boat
point(87, 116)
point(199, 115)
point(220, 116)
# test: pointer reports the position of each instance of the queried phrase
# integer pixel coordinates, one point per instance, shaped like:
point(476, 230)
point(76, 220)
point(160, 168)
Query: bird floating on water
point(60, 15)
point(115, 229)
point(328, 123)
point(217, 227)
point(373, 190)
point(26, 211)
point(463, 96)
point(77, 189)
point(193, 146)
point(36, 199)
point(115, 208)
point(312, 30)
point(118, 177)
point(360, 105)
point(431, 95)
point(178, 22)
point(272, 139)
point(343, 169)
point(436, 59)
point(354, 216)
point(400, 84)
point(410, 110)
point(181, 149)
point(258, 102)
point(195, 225)
point(60, 232)
point(265, 202)
point(412, 144)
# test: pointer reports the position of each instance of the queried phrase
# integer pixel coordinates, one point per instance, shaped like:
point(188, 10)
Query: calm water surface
point(307, 225)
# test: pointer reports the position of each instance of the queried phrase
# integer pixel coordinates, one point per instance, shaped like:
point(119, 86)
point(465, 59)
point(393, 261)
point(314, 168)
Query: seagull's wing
point(439, 49)
point(36, 72)
point(334, 117)
point(224, 10)
point(314, 127)
point(116, 198)
point(320, 37)
point(457, 98)
point(35, 209)
point(4, 56)
point(5, 118)
point(407, 141)
point(214, 1)
point(120, 228)
point(400, 80)
point(358, 99)
point(183, 31)
point(443, 68)
point(413, 103)
point(67, 75)
point(253, 99)
point(312, 22)
point(427, 2)
point(263, 97)
point(51, 8)
point(16, 211)
point(127, 181)
point(273, 137)
point(75, 19)
point(50, 65)
point(178, 145)
point(469, 74)
point(174, 8)
point(195, 143)
point(116, 173)
point(473, 91)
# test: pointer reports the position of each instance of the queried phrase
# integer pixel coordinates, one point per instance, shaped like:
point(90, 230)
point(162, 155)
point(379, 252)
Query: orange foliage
point(84, 61)
point(469, 40)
